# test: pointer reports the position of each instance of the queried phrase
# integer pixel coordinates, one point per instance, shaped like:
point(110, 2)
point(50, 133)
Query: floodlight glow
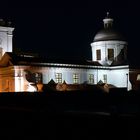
point(138, 77)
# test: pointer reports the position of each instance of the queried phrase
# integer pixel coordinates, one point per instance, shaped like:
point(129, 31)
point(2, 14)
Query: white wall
point(48, 73)
point(102, 72)
point(119, 78)
point(67, 74)
point(6, 35)
point(116, 77)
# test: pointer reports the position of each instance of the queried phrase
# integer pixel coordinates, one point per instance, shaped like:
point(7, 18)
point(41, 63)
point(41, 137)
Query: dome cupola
point(109, 47)
point(108, 32)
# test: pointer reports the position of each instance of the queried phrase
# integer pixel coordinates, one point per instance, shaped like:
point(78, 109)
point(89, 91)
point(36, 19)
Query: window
point(1, 52)
point(58, 77)
point(98, 53)
point(91, 79)
point(105, 78)
point(110, 54)
point(0, 41)
point(75, 78)
point(122, 54)
point(38, 77)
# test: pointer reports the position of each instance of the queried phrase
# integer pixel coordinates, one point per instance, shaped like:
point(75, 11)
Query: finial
point(107, 14)
point(9, 23)
point(108, 21)
point(2, 22)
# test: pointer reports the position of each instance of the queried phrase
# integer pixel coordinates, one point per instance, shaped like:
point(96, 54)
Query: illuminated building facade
point(109, 64)
point(6, 35)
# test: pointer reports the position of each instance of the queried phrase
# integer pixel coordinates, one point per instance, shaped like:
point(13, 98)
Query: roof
point(108, 34)
point(11, 59)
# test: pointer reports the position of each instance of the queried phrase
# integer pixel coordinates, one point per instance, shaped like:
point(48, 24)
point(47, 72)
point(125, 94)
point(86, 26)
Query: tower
point(109, 47)
point(6, 35)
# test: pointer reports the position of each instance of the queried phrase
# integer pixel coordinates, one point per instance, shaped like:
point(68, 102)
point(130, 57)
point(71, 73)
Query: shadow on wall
point(120, 59)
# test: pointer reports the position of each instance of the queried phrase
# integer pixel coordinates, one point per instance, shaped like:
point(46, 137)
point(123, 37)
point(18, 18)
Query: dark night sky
point(65, 29)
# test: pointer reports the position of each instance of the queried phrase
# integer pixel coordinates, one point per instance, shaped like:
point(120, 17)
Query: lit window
point(98, 52)
point(58, 77)
point(75, 78)
point(105, 78)
point(110, 54)
point(91, 79)
point(38, 77)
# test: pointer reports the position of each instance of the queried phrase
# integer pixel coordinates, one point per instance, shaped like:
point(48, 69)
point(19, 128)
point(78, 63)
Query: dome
point(108, 34)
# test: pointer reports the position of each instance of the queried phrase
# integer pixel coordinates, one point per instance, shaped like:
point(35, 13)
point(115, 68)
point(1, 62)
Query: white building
point(109, 64)
point(6, 35)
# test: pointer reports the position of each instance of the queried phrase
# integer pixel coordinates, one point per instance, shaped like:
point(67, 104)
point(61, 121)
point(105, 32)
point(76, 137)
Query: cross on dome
point(107, 14)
